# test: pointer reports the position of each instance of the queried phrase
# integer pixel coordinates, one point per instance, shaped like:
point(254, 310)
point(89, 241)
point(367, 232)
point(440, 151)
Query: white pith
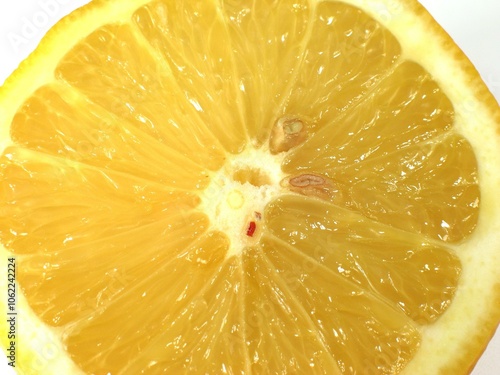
point(231, 205)
point(228, 207)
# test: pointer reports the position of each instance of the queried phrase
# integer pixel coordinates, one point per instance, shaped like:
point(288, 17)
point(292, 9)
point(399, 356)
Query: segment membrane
point(116, 68)
point(407, 108)
point(179, 316)
point(49, 204)
point(360, 331)
point(207, 335)
point(267, 39)
point(60, 122)
point(394, 159)
point(345, 58)
point(281, 336)
point(63, 289)
point(192, 39)
point(412, 275)
point(431, 189)
point(99, 195)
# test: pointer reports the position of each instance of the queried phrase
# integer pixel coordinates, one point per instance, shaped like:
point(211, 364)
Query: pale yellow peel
point(454, 335)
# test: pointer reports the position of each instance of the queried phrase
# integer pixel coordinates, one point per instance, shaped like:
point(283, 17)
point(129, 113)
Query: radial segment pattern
point(112, 164)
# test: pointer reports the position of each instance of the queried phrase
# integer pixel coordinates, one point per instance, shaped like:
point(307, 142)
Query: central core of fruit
point(238, 193)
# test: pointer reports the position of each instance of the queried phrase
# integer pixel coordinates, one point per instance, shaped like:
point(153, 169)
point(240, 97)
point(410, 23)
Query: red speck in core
point(251, 229)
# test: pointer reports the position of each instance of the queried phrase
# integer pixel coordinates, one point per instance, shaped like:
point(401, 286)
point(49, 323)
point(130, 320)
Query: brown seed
point(314, 185)
point(307, 180)
point(288, 132)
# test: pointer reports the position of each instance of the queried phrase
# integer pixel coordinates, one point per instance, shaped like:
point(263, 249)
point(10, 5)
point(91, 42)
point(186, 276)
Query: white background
point(472, 23)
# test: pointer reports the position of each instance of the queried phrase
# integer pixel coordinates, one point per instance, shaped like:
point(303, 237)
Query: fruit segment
point(267, 40)
point(281, 337)
point(407, 108)
point(394, 159)
point(193, 40)
point(206, 335)
point(76, 204)
point(60, 121)
point(430, 189)
point(239, 187)
point(345, 58)
point(164, 312)
point(361, 331)
point(62, 289)
point(116, 69)
point(410, 274)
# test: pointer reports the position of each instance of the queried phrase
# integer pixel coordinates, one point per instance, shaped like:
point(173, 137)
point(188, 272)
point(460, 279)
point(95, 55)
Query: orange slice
point(239, 187)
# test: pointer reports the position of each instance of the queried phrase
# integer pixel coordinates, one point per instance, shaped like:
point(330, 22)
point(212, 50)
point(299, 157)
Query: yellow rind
point(39, 67)
point(463, 347)
point(46, 354)
point(460, 341)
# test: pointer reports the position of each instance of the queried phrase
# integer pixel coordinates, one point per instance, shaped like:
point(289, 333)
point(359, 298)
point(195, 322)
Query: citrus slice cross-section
point(250, 187)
